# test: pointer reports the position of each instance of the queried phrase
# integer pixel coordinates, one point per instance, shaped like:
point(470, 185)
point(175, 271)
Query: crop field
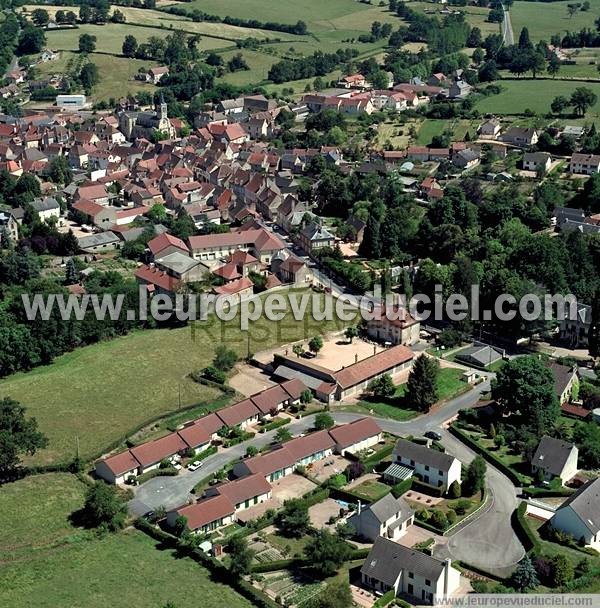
point(548, 18)
point(520, 95)
point(98, 393)
point(117, 570)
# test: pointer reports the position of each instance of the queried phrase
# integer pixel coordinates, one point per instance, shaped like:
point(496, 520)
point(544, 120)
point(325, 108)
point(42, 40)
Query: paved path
point(507, 31)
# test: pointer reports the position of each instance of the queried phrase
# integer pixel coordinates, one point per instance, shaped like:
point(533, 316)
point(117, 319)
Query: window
point(427, 467)
point(427, 582)
point(411, 575)
point(441, 473)
point(412, 463)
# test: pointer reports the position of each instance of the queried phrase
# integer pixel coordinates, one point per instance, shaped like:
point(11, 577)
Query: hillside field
point(99, 393)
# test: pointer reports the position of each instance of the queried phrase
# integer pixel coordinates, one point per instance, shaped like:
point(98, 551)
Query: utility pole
point(179, 387)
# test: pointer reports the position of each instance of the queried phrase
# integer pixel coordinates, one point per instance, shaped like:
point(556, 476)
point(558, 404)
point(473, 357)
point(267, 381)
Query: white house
point(46, 208)
point(243, 493)
point(431, 466)
point(579, 515)
point(118, 468)
point(356, 436)
point(537, 161)
point(555, 458)
point(206, 515)
point(408, 571)
point(389, 517)
point(584, 164)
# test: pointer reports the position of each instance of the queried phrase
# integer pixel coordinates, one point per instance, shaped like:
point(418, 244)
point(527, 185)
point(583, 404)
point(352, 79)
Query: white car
point(177, 467)
point(194, 466)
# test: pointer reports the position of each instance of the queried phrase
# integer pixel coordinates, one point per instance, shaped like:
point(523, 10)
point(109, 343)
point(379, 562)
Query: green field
point(34, 515)
point(476, 16)
point(546, 18)
point(116, 74)
point(120, 570)
point(536, 95)
point(109, 38)
point(99, 393)
point(259, 64)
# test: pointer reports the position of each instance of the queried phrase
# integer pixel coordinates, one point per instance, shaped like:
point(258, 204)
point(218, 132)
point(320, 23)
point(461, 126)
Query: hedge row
point(402, 487)
point(427, 488)
point(278, 564)
point(523, 531)
point(493, 460)
point(166, 472)
point(546, 492)
point(219, 572)
point(271, 426)
point(385, 599)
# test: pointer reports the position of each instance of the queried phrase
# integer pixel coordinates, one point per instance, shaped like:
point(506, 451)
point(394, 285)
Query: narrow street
point(507, 30)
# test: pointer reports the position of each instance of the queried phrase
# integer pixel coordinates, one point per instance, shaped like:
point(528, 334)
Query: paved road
point(507, 30)
point(488, 541)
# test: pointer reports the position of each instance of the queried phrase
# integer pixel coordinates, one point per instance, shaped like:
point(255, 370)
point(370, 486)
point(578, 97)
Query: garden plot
point(290, 588)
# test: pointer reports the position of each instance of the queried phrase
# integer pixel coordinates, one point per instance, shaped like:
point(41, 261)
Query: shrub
point(214, 375)
point(451, 516)
point(462, 506)
point(439, 520)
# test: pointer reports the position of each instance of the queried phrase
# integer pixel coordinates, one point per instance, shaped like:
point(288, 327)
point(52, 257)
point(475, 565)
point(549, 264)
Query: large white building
point(389, 517)
point(431, 466)
point(408, 571)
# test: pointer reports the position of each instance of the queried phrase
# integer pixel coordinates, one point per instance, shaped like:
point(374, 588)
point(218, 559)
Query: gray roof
point(423, 455)
point(388, 506)
point(482, 354)
point(314, 232)
point(552, 455)
point(387, 559)
point(177, 262)
point(45, 204)
point(289, 374)
point(536, 157)
point(95, 240)
point(398, 471)
point(586, 504)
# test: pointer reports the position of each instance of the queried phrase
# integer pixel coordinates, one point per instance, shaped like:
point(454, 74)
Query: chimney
point(356, 358)
point(359, 507)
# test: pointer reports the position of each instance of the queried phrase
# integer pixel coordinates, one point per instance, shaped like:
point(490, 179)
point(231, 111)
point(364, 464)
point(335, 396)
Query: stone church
point(143, 124)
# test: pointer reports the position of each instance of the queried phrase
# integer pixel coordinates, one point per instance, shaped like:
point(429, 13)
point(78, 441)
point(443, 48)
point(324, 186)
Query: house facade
point(388, 517)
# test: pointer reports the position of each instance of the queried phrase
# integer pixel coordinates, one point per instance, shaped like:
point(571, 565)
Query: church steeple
point(163, 108)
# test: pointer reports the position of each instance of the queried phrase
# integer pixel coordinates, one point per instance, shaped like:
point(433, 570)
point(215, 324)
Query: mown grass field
point(536, 95)
point(259, 64)
point(34, 516)
point(118, 570)
point(100, 393)
point(109, 38)
point(116, 74)
point(476, 16)
point(546, 18)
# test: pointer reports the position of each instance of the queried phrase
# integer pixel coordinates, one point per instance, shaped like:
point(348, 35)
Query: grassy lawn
point(476, 16)
point(119, 570)
point(259, 63)
point(34, 515)
point(116, 74)
point(370, 490)
point(520, 95)
point(288, 546)
point(100, 393)
point(450, 385)
point(429, 129)
point(546, 19)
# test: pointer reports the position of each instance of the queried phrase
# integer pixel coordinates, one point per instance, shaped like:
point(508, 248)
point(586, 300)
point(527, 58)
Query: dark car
point(433, 435)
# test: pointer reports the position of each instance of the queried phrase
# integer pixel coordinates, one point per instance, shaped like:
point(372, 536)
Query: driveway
point(488, 541)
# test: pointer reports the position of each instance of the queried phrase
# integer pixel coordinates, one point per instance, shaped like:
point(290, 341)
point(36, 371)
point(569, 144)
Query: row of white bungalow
point(198, 434)
point(220, 504)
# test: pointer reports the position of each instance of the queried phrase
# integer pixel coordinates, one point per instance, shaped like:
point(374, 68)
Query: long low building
point(330, 386)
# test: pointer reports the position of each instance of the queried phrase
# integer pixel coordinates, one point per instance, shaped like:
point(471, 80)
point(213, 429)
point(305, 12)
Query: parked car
point(433, 435)
point(194, 466)
point(177, 466)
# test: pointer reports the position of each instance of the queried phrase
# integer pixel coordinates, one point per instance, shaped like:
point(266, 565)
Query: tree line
point(317, 64)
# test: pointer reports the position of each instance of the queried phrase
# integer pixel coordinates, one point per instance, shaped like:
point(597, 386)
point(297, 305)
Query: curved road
point(488, 541)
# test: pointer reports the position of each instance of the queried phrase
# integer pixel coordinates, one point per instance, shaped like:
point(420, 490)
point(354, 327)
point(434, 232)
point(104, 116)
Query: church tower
point(163, 109)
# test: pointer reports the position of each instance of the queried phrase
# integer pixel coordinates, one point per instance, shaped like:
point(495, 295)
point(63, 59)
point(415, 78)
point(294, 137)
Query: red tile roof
point(154, 451)
point(275, 460)
point(121, 463)
point(293, 387)
point(164, 240)
point(301, 447)
point(212, 423)
point(194, 435)
point(346, 435)
point(372, 366)
point(238, 412)
point(206, 511)
point(244, 489)
point(234, 287)
point(154, 276)
point(270, 399)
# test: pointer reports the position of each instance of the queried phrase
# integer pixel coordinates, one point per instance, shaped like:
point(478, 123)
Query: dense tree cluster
point(317, 64)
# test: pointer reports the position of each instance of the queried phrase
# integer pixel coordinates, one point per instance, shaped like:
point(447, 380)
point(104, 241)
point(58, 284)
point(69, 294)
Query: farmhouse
point(206, 515)
point(579, 515)
point(165, 243)
point(537, 161)
point(584, 164)
point(408, 571)
point(395, 326)
point(388, 517)
point(521, 136)
point(156, 280)
point(356, 436)
point(103, 241)
point(432, 466)
point(555, 458)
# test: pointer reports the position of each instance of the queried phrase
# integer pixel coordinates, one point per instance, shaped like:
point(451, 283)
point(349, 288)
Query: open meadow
point(99, 393)
point(543, 19)
point(46, 558)
point(535, 95)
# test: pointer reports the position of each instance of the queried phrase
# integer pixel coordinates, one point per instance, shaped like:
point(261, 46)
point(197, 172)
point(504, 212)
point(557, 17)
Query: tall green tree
point(421, 388)
point(525, 577)
point(525, 385)
point(594, 332)
point(241, 555)
point(326, 552)
point(293, 520)
point(18, 435)
point(474, 480)
point(104, 507)
point(87, 43)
